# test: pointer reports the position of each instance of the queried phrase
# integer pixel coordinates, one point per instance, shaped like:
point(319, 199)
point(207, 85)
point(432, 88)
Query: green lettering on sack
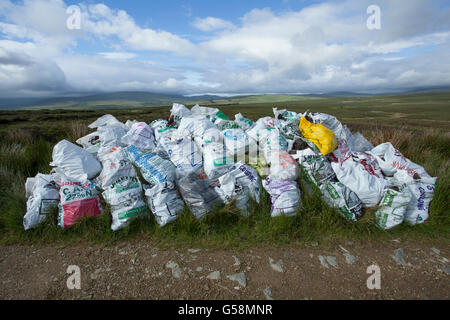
point(388, 198)
point(132, 212)
point(132, 186)
point(222, 161)
point(347, 214)
point(332, 191)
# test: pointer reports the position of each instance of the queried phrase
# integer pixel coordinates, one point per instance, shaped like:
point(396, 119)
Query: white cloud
point(118, 55)
point(323, 47)
point(211, 24)
point(100, 20)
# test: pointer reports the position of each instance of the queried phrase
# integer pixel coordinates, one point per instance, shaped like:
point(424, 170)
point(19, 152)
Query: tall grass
point(23, 155)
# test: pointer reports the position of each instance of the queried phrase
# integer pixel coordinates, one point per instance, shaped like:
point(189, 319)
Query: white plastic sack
point(283, 166)
point(198, 194)
point(78, 200)
point(126, 201)
point(391, 160)
point(319, 173)
point(107, 120)
point(43, 199)
point(178, 112)
point(141, 136)
point(210, 135)
point(275, 141)
point(206, 112)
point(422, 191)
point(284, 196)
point(77, 163)
point(261, 130)
point(240, 183)
point(243, 122)
point(161, 128)
point(286, 115)
point(154, 169)
point(115, 166)
point(29, 185)
point(367, 187)
point(130, 123)
point(90, 142)
point(164, 202)
point(317, 168)
point(236, 141)
point(216, 159)
point(361, 173)
point(228, 124)
point(219, 119)
point(185, 155)
point(194, 126)
point(346, 202)
point(111, 136)
point(392, 207)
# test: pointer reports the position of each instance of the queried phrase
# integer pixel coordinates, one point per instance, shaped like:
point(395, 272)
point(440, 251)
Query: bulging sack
point(261, 130)
point(422, 191)
point(78, 200)
point(360, 173)
point(141, 136)
point(317, 168)
point(185, 155)
point(125, 199)
point(284, 196)
point(115, 166)
point(243, 122)
point(318, 173)
point(216, 159)
point(209, 136)
point(164, 202)
point(194, 126)
point(111, 135)
point(198, 193)
point(42, 201)
point(240, 184)
point(393, 206)
point(391, 160)
point(275, 141)
point(90, 142)
point(338, 196)
point(161, 128)
point(236, 141)
point(283, 166)
point(76, 163)
point(107, 120)
point(178, 112)
point(321, 136)
point(154, 168)
point(206, 112)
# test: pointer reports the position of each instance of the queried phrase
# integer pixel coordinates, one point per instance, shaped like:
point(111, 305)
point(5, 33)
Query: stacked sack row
point(201, 158)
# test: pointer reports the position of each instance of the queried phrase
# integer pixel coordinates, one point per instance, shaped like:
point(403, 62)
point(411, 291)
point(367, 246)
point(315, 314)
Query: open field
point(418, 125)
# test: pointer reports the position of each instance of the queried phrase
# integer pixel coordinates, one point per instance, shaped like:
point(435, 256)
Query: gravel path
point(138, 270)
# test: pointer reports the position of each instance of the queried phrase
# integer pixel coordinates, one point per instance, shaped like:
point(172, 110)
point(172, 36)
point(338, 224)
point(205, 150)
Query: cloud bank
point(323, 47)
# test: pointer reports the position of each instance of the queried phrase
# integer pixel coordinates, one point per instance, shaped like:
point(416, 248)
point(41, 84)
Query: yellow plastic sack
point(321, 136)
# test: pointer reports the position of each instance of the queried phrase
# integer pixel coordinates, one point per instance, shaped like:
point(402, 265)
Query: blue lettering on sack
point(420, 202)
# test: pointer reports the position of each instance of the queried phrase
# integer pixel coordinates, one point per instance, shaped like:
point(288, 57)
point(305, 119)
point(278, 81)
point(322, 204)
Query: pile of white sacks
point(201, 158)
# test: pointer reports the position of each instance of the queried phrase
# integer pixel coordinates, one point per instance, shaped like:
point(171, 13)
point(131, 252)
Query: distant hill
point(136, 99)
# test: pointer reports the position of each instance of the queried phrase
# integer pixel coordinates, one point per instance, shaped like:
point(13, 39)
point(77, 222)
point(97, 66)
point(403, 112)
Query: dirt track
point(139, 270)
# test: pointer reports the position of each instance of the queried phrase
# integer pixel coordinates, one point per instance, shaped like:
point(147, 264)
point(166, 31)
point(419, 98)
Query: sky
point(222, 47)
